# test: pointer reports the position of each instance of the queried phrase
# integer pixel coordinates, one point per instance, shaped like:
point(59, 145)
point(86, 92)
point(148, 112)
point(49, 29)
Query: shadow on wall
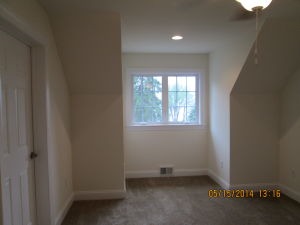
point(258, 108)
point(290, 108)
point(60, 143)
point(254, 137)
point(59, 137)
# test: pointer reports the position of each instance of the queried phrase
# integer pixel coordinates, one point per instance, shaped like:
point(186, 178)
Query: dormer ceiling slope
point(279, 57)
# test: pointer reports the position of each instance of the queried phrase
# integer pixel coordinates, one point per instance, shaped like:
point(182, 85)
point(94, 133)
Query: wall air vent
point(166, 170)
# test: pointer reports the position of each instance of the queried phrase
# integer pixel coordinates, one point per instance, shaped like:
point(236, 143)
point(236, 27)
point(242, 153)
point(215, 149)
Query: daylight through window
point(165, 99)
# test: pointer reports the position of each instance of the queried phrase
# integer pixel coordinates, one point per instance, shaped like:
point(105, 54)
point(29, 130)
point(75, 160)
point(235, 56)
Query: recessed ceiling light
point(177, 37)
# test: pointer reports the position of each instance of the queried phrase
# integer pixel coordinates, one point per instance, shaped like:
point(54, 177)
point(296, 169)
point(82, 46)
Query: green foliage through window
point(148, 99)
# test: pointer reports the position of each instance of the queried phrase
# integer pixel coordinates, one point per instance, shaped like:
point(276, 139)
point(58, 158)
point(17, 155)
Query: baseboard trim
point(120, 194)
point(290, 192)
point(155, 173)
point(99, 195)
point(190, 172)
point(142, 174)
point(219, 180)
point(63, 212)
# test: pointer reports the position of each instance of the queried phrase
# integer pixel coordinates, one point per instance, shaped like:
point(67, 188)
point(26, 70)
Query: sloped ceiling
point(90, 50)
point(278, 59)
point(147, 25)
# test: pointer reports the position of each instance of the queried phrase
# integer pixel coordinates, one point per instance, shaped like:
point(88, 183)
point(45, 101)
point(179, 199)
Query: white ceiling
point(147, 25)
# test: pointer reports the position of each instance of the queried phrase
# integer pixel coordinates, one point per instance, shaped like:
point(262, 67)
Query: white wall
point(225, 65)
point(97, 134)
point(148, 149)
point(59, 143)
point(254, 112)
point(254, 132)
point(290, 135)
point(90, 48)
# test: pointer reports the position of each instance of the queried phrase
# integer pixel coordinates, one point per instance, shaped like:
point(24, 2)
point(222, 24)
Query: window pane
point(181, 114)
point(172, 83)
point(138, 115)
point(191, 98)
point(191, 114)
point(172, 113)
point(147, 98)
point(156, 114)
point(137, 83)
point(172, 98)
point(148, 84)
point(177, 114)
point(147, 114)
point(150, 99)
point(181, 98)
point(191, 83)
point(157, 83)
point(137, 98)
point(181, 83)
point(156, 99)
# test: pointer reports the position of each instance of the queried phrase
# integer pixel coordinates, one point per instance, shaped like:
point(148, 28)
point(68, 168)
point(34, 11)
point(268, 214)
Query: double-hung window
point(165, 98)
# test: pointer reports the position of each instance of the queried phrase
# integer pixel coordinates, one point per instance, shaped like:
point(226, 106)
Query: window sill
point(168, 127)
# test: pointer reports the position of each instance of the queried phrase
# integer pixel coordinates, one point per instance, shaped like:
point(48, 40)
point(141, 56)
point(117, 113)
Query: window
point(165, 98)
point(147, 99)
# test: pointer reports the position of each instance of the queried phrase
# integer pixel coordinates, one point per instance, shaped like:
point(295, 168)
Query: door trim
point(21, 31)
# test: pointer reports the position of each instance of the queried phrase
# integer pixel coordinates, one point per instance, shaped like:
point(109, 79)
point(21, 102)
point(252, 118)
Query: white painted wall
point(254, 112)
point(254, 132)
point(225, 65)
point(90, 48)
point(59, 144)
point(290, 135)
point(146, 149)
point(97, 134)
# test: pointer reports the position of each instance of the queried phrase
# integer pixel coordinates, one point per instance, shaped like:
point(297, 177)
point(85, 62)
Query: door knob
point(33, 155)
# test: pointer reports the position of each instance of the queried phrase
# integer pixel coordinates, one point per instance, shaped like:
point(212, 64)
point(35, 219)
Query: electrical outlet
point(222, 164)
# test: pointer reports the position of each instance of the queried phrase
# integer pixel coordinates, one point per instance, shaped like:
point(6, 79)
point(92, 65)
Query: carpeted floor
point(182, 201)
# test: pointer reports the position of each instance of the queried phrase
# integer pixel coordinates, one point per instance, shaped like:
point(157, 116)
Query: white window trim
point(200, 100)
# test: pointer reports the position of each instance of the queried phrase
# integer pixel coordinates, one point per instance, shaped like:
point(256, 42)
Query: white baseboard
point(290, 192)
point(99, 195)
point(180, 172)
point(190, 172)
point(63, 212)
point(120, 194)
point(155, 173)
point(219, 180)
point(142, 174)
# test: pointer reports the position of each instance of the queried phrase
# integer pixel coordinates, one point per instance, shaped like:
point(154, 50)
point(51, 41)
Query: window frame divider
point(165, 73)
point(165, 99)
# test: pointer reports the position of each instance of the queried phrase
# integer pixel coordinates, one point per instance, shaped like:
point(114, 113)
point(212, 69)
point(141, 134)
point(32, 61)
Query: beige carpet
point(182, 201)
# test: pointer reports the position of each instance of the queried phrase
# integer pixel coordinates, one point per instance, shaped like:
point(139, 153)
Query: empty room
point(150, 112)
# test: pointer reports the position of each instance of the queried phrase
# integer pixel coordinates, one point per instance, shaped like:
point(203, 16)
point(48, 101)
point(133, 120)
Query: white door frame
point(16, 28)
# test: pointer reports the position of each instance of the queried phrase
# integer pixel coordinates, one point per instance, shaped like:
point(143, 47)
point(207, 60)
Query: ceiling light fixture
point(256, 6)
point(252, 5)
point(177, 37)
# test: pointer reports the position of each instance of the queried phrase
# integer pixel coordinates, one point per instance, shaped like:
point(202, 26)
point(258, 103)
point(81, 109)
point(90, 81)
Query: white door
point(17, 169)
